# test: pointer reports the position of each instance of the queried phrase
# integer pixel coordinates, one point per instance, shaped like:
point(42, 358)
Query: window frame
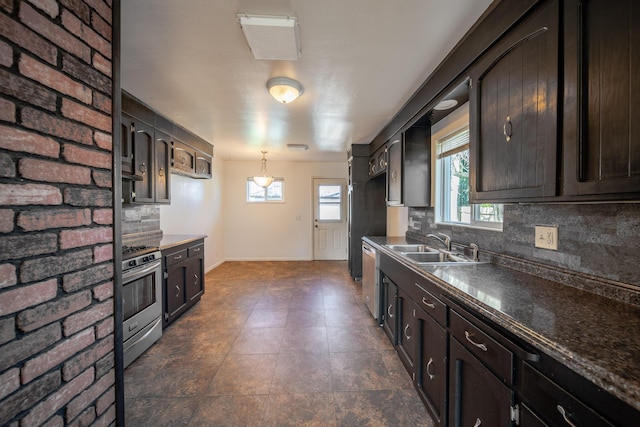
point(249, 183)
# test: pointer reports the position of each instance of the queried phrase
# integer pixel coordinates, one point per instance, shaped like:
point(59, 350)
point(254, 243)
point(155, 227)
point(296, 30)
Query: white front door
point(330, 219)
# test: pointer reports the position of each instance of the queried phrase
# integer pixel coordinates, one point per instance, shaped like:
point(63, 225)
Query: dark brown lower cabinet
point(389, 312)
point(407, 333)
point(476, 397)
point(184, 278)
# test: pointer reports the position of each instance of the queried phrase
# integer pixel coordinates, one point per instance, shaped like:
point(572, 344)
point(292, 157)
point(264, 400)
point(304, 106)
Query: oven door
point(141, 297)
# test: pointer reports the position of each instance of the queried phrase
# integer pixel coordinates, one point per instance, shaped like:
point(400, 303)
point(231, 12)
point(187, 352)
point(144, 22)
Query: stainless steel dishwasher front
point(370, 285)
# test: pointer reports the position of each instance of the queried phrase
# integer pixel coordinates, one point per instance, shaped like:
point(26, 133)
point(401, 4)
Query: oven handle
point(131, 275)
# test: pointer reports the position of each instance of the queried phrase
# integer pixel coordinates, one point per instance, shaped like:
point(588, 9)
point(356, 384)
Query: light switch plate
point(546, 237)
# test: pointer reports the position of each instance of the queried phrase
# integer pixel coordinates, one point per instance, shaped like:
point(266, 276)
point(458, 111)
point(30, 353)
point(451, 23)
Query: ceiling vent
point(272, 37)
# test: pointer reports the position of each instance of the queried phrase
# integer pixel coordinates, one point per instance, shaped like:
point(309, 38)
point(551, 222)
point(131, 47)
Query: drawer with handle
point(175, 257)
point(196, 250)
point(429, 303)
point(494, 355)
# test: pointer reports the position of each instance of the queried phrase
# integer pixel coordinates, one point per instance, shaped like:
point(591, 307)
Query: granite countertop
point(595, 336)
point(171, 240)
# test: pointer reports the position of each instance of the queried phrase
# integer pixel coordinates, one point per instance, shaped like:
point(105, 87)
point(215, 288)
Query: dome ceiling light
point(284, 89)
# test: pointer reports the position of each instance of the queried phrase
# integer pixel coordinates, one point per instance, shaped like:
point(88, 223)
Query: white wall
point(257, 231)
point(196, 208)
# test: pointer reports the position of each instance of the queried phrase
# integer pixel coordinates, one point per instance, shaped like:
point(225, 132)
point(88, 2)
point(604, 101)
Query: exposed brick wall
point(56, 214)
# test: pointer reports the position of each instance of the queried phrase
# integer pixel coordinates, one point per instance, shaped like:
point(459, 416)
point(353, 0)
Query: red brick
point(104, 328)
point(54, 79)
point(102, 253)
point(91, 276)
point(83, 197)
point(7, 166)
point(44, 314)
point(88, 396)
point(103, 292)
point(42, 268)
point(28, 142)
point(103, 140)
point(86, 418)
point(51, 31)
point(27, 396)
point(29, 194)
point(7, 275)
point(8, 329)
point(9, 382)
point(106, 401)
point(93, 314)
point(46, 408)
point(85, 33)
point(27, 296)
point(56, 126)
point(103, 216)
point(102, 8)
point(86, 73)
point(84, 156)
point(26, 90)
point(83, 360)
point(43, 219)
point(6, 225)
point(102, 102)
point(78, 7)
point(7, 5)
point(27, 39)
point(50, 7)
point(6, 54)
point(85, 237)
point(102, 178)
point(42, 170)
point(7, 110)
point(42, 363)
point(101, 26)
point(102, 64)
point(28, 345)
point(107, 419)
point(16, 247)
point(85, 115)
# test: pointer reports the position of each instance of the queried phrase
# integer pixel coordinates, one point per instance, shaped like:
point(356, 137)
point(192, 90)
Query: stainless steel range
point(141, 299)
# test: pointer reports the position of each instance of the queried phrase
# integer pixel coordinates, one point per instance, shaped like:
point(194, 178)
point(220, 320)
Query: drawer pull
point(431, 376)
point(507, 129)
point(565, 416)
point(479, 345)
point(405, 332)
point(389, 311)
point(177, 257)
point(428, 304)
point(478, 422)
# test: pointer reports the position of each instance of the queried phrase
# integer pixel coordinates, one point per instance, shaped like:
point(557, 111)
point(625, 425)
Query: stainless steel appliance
point(141, 299)
point(370, 279)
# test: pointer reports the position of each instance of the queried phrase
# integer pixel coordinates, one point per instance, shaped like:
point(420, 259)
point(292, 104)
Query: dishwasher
point(370, 285)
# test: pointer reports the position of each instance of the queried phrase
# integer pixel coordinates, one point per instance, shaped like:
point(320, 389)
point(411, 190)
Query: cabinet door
point(432, 372)
point(390, 308)
point(195, 278)
point(126, 144)
point(513, 113)
point(602, 98)
point(203, 166)
point(183, 158)
point(416, 167)
point(143, 162)
point(407, 332)
point(476, 397)
point(176, 296)
point(394, 172)
point(162, 149)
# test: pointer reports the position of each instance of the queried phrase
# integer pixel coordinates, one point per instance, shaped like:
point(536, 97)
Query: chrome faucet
point(474, 251)
point(445, 240)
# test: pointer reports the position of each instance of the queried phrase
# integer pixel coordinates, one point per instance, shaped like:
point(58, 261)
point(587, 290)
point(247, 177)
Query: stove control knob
point(152, 257)
point(145, 259)
point(132, 263)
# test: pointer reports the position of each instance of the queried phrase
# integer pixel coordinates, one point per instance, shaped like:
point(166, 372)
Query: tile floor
point(274, 344)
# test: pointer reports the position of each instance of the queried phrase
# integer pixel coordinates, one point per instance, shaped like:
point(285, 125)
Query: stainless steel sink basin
point(425, 259)
point(411, 248)
point(424, 256)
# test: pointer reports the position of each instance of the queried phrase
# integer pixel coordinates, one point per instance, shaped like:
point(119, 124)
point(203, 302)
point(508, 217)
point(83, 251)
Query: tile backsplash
point(141, 225)
point(601, 240)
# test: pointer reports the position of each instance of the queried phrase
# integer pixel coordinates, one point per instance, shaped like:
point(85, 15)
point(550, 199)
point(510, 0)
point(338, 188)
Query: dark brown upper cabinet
point(514, 113)
point(143, 157)
point(162, 151)
point(601, 122)
point(126, 145)
point(394, 171)
point(378, 162)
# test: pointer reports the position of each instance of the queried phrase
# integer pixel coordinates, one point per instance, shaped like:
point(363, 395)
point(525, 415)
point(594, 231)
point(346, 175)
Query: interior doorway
point(330, 219)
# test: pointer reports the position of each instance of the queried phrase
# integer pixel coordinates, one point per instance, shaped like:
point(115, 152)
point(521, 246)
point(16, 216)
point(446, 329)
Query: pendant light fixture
point(284, 89)
point(263, 179)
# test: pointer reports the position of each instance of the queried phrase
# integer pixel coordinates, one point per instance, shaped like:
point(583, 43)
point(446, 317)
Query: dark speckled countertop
point(171, 240)
point(597, 337)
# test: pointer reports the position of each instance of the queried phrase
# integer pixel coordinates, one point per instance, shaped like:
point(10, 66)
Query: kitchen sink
point(424, 259)
point(411, 248)
point(424, 256)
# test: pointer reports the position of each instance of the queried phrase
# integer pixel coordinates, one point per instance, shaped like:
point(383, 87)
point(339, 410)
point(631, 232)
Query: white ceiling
point(361, 61)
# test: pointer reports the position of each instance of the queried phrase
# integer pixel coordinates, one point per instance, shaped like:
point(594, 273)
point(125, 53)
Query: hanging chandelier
point(263, 179)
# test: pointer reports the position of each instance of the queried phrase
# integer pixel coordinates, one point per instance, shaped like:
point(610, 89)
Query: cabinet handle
point(389, 312)
point(507, 129)
point(394, 175)
point(405, 332)
point(479, 345)
point(143, 168)
point(431, 376)
point(161, 172)
point(177, 257)
point(183, 160)
point(565, 416)
point(428, 304)
point(478, 422)
point(177, 291)
point(195, 282)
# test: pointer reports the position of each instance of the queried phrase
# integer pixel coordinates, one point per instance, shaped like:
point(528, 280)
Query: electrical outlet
point(546, 237)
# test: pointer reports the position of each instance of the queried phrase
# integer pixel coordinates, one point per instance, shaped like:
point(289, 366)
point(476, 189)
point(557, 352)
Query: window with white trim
point(274, 193)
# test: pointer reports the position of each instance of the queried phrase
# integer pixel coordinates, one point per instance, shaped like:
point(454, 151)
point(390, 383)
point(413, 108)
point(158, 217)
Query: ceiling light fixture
point(284, 89)
point(263, 179)
point(446, 104)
